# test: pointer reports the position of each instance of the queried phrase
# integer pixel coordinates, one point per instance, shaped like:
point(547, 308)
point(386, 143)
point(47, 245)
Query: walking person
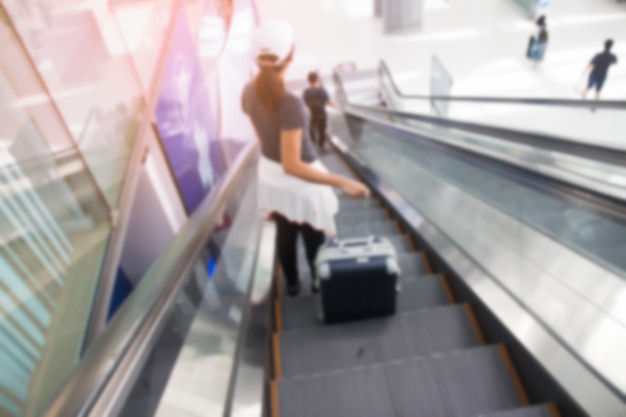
point(316, 99)
point(538, 47)
point(598, 69)
point(293, 185)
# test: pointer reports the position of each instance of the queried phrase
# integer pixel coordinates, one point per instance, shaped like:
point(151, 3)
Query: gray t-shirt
point(291, 114)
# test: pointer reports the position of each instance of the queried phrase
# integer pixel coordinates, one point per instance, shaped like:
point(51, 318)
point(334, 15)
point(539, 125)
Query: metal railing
point(383, 71)
point(109, 368)
point(605, 191)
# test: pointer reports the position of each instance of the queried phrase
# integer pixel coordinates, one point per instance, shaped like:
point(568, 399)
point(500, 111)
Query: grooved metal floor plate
point(400, 243)
point(420, 293)
point(424, 361)
point(380, 228)
point(534, 411)
point(414, 387)
point(327, 348)
point(476, 380)
point(412, 265)
point(358, 217)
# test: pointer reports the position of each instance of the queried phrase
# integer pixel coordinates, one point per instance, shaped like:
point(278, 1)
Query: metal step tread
point(379, 228)
point(416, 294)
point(541, 410)
point(352, 204)
point(350, 345)
point(463, 383)
point(401, 243)
point(360, 216)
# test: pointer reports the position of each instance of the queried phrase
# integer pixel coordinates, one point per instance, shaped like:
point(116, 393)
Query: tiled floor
point(481, 42)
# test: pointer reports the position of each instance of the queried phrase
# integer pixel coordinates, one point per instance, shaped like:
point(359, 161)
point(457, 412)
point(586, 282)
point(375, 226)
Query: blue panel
point(13, 378)
point(24, 322)
point(123, 288)
point(8, 406)
point(11, 331)
point(187, 126)
point(13, 348)
point(23, 293)
point(211, 267)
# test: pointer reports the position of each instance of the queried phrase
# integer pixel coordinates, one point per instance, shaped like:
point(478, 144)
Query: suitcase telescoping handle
point(367, 214)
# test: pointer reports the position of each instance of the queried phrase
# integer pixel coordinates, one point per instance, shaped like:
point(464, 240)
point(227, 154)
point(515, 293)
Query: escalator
point(430, 359)
point(509, 304)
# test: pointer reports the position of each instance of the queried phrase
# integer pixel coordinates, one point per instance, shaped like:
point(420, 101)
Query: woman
point(293, 184)
point(538, 48)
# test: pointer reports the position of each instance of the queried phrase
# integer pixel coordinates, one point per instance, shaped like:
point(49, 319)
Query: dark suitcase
point(358, 279)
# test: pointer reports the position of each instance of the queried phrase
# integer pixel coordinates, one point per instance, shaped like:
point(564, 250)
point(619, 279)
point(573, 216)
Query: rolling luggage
point(358, 279)
point(531, 41)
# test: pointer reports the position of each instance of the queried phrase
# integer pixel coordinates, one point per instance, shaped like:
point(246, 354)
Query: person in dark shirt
point(316, 99)
point(599, 67)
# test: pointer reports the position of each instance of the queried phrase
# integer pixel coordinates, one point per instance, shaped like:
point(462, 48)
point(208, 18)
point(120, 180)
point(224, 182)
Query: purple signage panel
point(187, 124)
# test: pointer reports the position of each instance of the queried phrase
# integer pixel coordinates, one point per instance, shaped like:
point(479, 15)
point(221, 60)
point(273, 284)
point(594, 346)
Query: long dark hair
point(268, 84)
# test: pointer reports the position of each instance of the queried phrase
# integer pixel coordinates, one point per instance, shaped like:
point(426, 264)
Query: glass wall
point(81, 55)
point(77, 80)
point(54, 226)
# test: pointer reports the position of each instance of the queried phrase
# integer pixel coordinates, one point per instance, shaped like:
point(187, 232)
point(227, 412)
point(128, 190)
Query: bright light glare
point(358, 8)
point(436, 5)
point(447, 35)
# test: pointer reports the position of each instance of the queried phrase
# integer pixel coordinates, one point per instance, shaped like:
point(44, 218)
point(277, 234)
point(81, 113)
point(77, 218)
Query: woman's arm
point(290, 149)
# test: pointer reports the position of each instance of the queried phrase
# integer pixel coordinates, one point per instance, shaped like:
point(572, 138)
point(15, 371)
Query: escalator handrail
point(584, 150)
point(111, 365)
point(608, 194)
point(384, 71)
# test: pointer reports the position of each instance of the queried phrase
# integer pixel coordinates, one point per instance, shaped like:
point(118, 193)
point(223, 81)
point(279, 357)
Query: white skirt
point(298, 200)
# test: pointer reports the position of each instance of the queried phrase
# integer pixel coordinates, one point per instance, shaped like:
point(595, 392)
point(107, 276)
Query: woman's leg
point(286, 238)
point(313, 240)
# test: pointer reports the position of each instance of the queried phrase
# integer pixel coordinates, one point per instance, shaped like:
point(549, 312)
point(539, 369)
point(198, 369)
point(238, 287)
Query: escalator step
point(360, 216)
point(412, 265)
point(416, 294)
point(344, 346)
point(464, 383)
point(400, 243)
point(350, 394)
point(543, 410)
point(458, 384)
point(356, 205)
point(381, 228)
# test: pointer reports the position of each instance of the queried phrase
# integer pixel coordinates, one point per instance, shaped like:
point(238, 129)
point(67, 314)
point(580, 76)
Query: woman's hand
point(354, 189)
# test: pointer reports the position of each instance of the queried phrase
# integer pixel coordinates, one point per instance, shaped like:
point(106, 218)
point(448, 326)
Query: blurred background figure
point(538, 44)
point(316, 98)
point(599, 67)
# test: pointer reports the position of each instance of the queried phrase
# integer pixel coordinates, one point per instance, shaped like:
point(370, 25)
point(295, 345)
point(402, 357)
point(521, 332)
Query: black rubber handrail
point(110, 367)
point(383, 71)
point(589, 151)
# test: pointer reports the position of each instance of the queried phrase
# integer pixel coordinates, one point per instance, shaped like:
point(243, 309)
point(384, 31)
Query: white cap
point(273, 38)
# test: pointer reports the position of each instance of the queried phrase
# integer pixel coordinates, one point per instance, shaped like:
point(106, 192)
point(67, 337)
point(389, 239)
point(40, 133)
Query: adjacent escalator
point(430, 359)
